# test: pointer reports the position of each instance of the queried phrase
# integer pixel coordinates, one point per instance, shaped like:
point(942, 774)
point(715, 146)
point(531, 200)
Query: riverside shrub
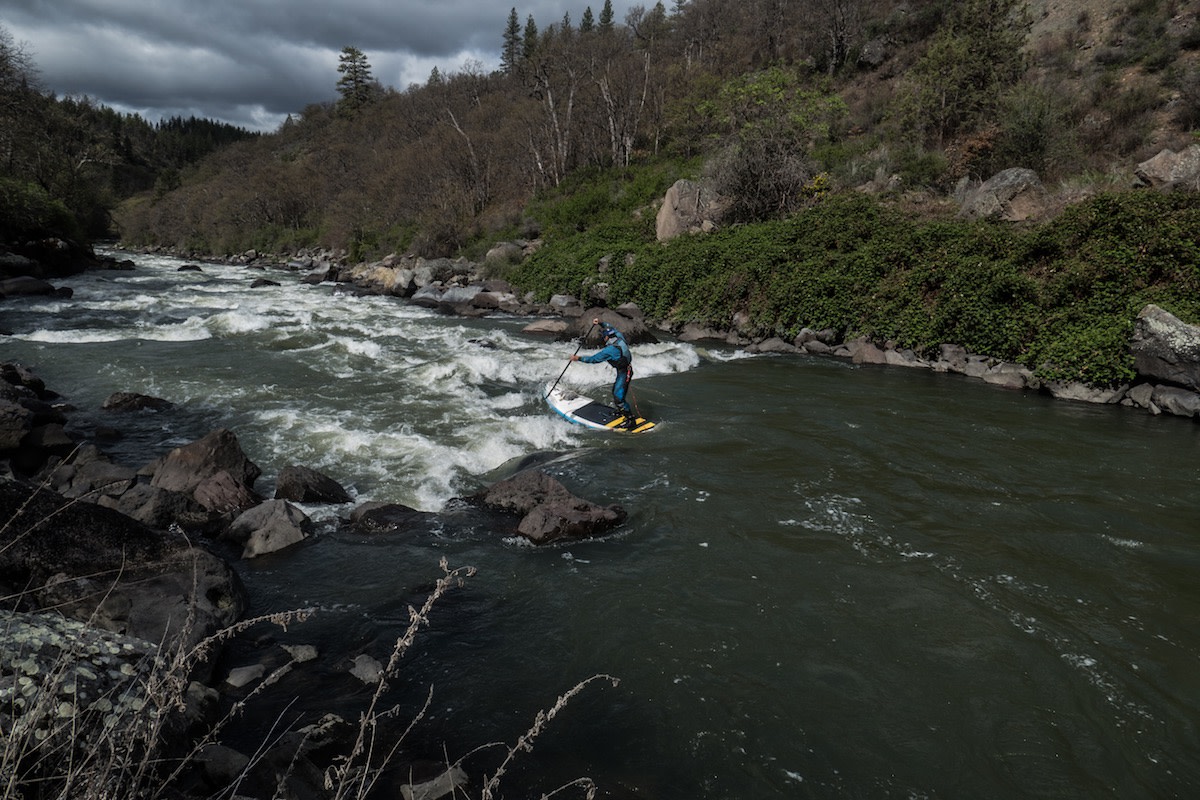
point(1060, 297)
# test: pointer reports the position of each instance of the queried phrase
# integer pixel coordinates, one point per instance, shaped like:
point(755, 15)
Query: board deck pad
point(581, 410)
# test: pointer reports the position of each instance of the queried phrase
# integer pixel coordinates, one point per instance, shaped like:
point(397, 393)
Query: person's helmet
point(608, 331)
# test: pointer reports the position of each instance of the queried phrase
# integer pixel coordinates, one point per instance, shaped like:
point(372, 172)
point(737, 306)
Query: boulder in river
point(547, 511)
point(306, 485)
point(213, 470)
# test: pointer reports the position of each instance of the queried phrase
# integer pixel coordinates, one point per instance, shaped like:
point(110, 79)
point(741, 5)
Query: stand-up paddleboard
point(576, 408)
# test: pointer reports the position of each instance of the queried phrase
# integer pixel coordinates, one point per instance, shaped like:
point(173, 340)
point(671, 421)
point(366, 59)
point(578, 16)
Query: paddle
point(582, 339)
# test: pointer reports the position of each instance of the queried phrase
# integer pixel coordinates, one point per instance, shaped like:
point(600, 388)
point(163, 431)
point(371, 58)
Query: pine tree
point(588, 22)
point(529, 46)
point(606, 17)
point(510, 51)
point(356, 85)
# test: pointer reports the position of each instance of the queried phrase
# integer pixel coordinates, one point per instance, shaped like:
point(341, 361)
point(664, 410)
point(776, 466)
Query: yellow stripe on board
point(640, 424)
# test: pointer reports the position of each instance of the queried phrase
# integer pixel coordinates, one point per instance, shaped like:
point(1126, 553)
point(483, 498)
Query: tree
point(773, 119)
point(588, 22)
point(529, 45)
point(16, 101)
point(842, 20)
point(356, 86)
point(510, 50)
point(649, 27)
point(971, 61)
point(606, 17)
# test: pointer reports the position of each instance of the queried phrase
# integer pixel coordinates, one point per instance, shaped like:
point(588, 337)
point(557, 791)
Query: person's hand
point(595, 320)
point(574, 357)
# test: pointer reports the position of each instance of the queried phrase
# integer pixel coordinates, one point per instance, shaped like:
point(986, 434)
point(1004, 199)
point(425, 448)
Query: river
point(834, 581)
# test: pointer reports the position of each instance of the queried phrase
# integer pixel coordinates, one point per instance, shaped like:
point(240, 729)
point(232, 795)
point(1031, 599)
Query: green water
point(834, 581)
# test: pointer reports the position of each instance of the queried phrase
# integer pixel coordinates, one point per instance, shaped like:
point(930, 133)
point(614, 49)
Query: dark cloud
point(252, 62)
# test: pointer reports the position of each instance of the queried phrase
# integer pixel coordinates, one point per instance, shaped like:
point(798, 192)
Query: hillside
point(910, 99)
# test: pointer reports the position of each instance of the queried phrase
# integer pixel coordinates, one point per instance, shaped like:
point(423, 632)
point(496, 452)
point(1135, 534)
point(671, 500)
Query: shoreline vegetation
point(1052, 307)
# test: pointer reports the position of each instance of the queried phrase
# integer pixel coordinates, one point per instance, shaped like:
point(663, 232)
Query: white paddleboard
point(582, 410)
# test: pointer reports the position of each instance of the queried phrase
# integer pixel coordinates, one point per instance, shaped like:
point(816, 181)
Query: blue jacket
point(616, 354)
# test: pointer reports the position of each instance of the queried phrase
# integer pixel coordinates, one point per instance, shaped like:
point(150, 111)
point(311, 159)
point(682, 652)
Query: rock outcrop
point(95, 564)
point(1169, 170)
point(1015, 195)
point(689, 207)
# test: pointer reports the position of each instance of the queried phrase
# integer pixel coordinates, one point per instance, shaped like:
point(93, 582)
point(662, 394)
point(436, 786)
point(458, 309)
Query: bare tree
point(842, 24)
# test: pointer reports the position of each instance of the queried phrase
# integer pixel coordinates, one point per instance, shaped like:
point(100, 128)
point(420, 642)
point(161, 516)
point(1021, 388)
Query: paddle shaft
point(582, 339)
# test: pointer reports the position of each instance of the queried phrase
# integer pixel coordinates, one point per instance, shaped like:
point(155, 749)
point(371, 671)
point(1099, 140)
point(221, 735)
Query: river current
point(834, 581)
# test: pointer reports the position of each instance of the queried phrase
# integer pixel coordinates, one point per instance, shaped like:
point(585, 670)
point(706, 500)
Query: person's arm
point(607, 354)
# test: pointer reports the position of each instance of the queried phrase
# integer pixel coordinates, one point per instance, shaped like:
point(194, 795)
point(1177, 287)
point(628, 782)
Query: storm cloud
point(252, 62)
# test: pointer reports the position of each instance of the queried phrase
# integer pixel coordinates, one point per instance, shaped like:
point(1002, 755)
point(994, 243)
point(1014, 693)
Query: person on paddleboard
point(615, 352)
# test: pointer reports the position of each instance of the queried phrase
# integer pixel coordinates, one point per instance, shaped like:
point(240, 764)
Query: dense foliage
point(1060, 297)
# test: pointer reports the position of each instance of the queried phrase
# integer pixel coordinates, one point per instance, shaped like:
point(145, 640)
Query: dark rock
point(260, 282)
point(90, 475)
point(305, 485)
point(548, 512)
point(24, 285)
point(132, 401)
point(185, 468)
point(20, 375)
point(92, 563)
point(162, 508)
point(386, 518)
point(16, 422)
point(223, 492)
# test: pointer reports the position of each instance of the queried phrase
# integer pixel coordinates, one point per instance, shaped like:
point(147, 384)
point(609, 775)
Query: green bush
point(1060, 297)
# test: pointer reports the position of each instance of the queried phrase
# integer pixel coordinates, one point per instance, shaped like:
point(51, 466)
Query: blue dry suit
point(616, 352)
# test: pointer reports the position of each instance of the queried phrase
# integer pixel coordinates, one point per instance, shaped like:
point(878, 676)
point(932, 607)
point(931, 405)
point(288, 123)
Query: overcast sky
point(252, 62)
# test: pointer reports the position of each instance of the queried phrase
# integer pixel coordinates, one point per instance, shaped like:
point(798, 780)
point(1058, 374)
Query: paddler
point(615, 352)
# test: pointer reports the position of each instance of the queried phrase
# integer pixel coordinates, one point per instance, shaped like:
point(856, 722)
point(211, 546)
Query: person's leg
point(621, 389)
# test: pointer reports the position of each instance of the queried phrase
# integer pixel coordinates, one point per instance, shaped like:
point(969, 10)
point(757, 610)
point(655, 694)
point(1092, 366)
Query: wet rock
point(132, 401)
point(386, 518)
point(547, 511)
point(24, 285)
point(305, 485)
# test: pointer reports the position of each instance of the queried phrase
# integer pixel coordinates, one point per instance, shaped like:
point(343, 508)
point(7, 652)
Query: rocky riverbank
point(122, 586)
point(1166, 351)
